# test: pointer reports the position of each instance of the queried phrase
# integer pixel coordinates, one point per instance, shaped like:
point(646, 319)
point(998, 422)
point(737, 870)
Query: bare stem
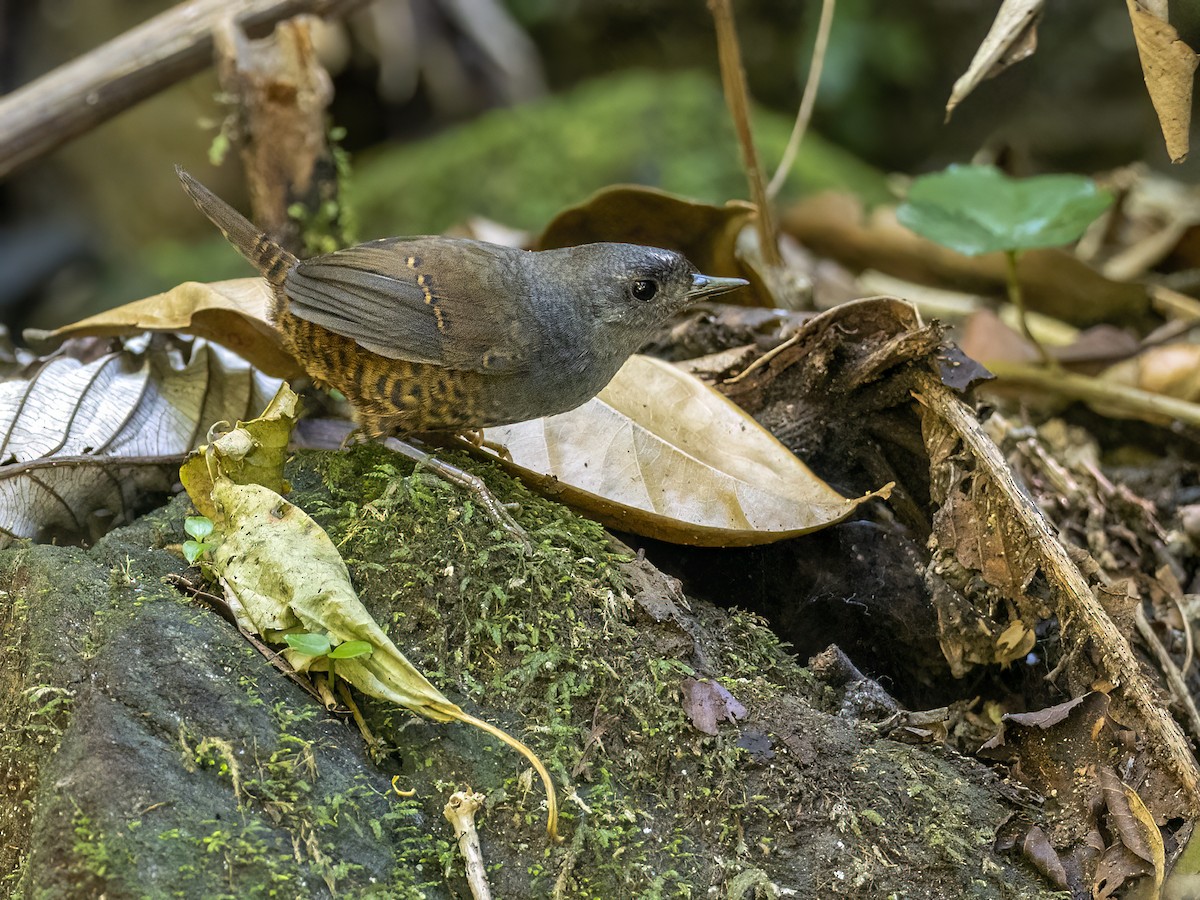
point(733, 80)
point(1017, 298)
point(551, 797)
point(808, 101)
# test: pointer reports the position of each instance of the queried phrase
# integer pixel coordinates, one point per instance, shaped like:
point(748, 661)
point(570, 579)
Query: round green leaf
point(309, 644)
point(198, 527)
point(979, 209)
point(192, 550)
point(350, 649)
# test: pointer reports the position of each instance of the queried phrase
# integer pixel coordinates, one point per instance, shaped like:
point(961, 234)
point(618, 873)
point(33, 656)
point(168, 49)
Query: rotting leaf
point(1012, 38)
point(662, 454)
point(708, 703)
point(1047, 748)
point(247, 456)
point(231, 313)
point(281, 572)
point(79, 438)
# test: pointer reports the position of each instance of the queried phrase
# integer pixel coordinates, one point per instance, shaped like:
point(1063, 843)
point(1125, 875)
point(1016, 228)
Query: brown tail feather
point(267, 256)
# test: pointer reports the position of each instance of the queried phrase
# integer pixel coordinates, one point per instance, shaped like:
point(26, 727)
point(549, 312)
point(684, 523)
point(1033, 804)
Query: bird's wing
point(454, 303)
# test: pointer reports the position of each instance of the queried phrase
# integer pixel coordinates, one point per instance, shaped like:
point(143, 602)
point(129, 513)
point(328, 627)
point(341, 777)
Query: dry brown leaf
point(706, 235)
point(230, 313)
point(1138, 848)
point(662, 454)
point(1039, 851)
point(1012, 38)
point(79, 439)
point(1169, 66)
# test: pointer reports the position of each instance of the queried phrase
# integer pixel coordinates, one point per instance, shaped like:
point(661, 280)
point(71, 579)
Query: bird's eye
point(644, 289)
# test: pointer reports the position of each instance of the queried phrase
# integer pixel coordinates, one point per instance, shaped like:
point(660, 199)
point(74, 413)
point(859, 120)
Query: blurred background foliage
point(513, 110)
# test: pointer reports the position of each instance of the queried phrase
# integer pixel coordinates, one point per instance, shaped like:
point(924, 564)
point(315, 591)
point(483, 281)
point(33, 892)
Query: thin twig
point(79, 95)
point(808, 101)
point(1129, 400)
point(733, 79)
point(1171, 672)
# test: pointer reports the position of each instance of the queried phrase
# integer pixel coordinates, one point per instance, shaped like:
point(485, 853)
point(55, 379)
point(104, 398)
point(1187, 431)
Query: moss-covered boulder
point(150, 750)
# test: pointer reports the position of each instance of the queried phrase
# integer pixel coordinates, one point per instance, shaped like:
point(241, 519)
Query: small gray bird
point(436, 334)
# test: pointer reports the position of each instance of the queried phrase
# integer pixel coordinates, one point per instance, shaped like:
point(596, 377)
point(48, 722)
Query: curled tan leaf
point(231, 313)
point(1012, 38)
point(707, 235)
point(662, 454)
point(1169, 66)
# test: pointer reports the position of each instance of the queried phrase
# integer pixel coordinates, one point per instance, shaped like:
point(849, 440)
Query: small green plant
point(320, 646)
point(200, 528)
point(979, 209)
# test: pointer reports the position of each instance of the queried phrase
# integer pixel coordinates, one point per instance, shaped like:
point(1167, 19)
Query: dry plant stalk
point(733, 80)
point(460, 812)
point(808, 101)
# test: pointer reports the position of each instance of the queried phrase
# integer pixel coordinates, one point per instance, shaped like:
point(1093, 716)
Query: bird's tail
point(264, 254)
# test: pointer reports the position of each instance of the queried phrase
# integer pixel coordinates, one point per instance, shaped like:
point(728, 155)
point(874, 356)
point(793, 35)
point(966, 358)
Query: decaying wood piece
point(81, 94)
point(280, 92)
point(1084, 619)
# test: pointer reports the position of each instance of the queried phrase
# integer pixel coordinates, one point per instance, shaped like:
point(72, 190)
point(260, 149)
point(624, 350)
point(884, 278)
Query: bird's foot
point(497, 511)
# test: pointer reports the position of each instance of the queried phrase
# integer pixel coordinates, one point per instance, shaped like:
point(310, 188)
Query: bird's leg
point(468, 482)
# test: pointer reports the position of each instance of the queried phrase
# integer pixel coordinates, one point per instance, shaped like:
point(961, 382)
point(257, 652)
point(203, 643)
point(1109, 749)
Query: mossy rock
point(523, 165)
point(150, 750)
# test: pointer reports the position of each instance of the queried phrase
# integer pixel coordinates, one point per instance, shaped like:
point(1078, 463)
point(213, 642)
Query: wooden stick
point(733, 78)
point(460, 812)
point(79, 95)
point(1084, 622)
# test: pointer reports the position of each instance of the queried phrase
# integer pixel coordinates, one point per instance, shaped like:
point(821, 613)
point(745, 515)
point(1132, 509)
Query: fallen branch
point(79, 95)
point(1077, 605)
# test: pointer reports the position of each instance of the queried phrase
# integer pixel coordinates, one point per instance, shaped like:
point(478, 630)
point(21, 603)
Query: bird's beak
point(707, 286)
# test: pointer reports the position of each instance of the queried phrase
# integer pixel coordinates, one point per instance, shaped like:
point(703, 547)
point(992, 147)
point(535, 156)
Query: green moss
point(554, 647)
point(517, 636)
point(521, 166)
